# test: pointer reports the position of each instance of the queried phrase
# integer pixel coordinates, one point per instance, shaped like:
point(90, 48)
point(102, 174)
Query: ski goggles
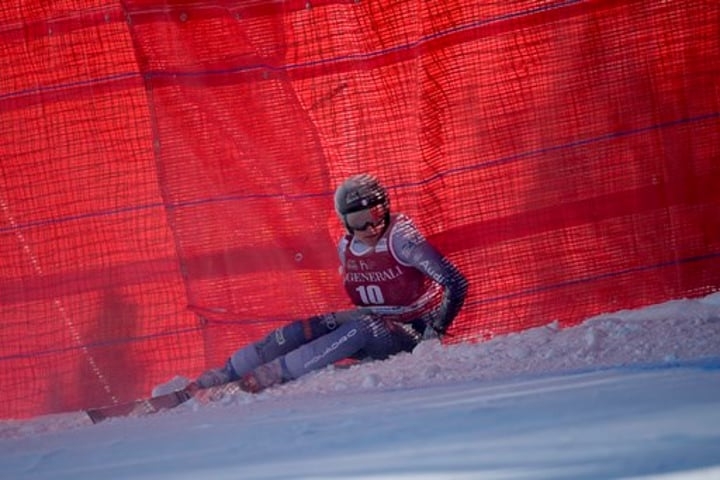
point(363, 219)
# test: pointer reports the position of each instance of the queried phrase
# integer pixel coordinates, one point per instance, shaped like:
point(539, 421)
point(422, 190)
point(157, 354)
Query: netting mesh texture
point(167, 169)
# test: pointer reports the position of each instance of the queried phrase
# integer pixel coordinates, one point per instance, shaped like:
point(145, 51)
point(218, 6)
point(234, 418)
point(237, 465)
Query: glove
point(434, 328)
point(430, 334)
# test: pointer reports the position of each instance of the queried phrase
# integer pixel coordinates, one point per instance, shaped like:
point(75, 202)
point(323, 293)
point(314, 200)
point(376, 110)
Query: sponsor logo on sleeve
point(425, 264)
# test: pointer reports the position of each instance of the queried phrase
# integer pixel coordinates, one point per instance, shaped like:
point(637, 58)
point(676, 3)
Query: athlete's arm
point(411, 248)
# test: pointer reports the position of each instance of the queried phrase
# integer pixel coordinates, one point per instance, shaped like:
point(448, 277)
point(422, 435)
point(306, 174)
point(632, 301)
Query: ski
point(141, 407)
point(148, 406)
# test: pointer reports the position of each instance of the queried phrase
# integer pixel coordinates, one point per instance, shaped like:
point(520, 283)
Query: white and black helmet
point(360, 192)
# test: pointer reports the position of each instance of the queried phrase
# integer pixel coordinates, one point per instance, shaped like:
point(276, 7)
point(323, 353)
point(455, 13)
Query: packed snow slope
point(633, 394)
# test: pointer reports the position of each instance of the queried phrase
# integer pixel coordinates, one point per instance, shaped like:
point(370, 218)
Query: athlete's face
point(367, 225)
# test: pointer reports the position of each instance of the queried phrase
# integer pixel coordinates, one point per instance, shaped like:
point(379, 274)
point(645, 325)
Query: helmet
point(360, 192)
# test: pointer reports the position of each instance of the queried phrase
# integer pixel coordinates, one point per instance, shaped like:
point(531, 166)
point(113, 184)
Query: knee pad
point(243, 361)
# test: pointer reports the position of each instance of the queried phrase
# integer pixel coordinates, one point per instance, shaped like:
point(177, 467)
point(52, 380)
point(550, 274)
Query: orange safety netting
point(167, 169)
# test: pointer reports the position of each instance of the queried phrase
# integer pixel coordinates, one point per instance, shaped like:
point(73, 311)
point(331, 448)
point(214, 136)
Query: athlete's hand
point(431, 333)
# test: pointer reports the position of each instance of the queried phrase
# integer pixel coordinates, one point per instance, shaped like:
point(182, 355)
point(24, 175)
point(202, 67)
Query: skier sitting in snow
point(403, 288)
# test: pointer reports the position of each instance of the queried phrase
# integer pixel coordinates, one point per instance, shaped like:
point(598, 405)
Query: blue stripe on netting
point(107, 343)
point(290, 67)
point(71, 85)
point(360, 57)
point(566, 146)
point(592, 278)
point(449, 172)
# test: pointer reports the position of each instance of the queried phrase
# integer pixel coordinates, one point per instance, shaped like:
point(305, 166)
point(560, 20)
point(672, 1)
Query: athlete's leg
point(275, 344)
point(367, 335)
point(281, 341)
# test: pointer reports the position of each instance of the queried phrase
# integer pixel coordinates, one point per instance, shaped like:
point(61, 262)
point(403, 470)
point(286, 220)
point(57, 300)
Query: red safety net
point(167, 169)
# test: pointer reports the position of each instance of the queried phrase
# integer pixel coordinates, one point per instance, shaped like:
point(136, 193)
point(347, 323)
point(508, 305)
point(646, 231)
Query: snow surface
point(633, 394)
